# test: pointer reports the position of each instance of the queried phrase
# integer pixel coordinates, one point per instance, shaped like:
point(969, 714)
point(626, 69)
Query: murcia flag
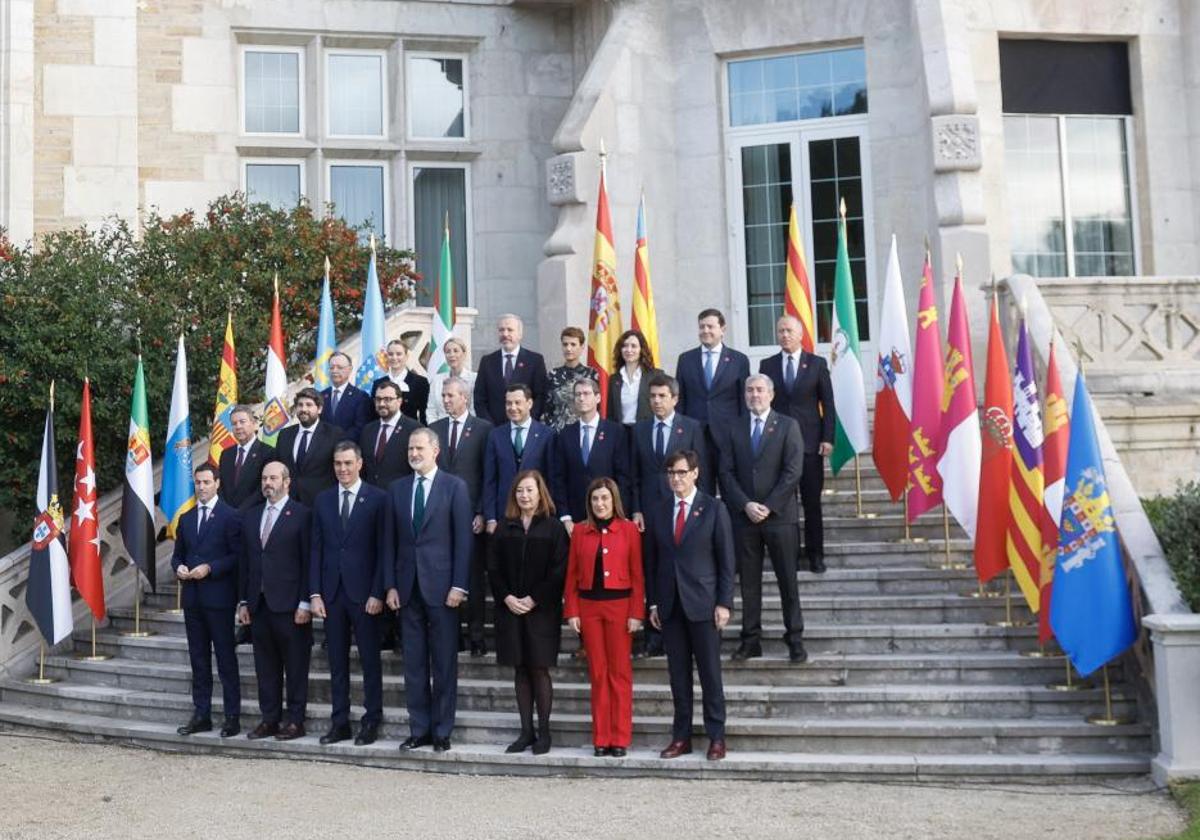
point(958, 460)
point(48, 592)
point(925, 483)
point(893, 383)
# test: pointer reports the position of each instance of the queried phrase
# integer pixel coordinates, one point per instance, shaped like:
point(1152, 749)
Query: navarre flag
point(924, 481)
point(604, 306)
point(995, 472)
point(83, 541)
point(220, 434)
point(326, 340)
point(893, 383)
point(178, 493)
point(1026, 489)
point(443, 307)
point(797, 294)
point(1091, 612)
point(137, 493)
point(275, 410)
point(48, 590)
point(645, 319)
point(959, 443)
point(1054, 457)
point(845, 365)
point(374, 345)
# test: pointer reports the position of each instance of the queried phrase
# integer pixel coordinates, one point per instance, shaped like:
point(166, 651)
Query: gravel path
point(51, 788)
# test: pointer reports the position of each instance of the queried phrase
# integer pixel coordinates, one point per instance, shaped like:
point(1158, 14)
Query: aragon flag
point(1058, 431)
point(797, 295)
point(48, 590)
point(893, 383)
point(604, 305)
point(1026, 490)
point(991, 525)
point(925, 483)
point(137, 493)
point(959, 446)
point(83, 541)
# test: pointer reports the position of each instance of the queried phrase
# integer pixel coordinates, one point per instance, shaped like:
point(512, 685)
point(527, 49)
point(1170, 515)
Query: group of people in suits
point(619, 525)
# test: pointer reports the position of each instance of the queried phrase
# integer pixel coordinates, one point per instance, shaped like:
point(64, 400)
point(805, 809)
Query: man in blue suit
point(711, 378)
point(520, 444)
point(689, 586)
point(589, 448)
point(427, 545)
point(509, 365)
point(346, 579)
point(346, 406)
point(207, 545)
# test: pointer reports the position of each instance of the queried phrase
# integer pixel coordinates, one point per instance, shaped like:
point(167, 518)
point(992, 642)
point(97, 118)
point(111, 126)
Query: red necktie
point(381, 441)
point(680, 521)
point(237, 466)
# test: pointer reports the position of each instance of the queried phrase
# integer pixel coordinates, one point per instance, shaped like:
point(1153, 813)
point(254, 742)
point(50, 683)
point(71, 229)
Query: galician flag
point(178, 493)
point(137, 493)
point(1026, 491)
point(48, 590)
point(845, 368)
point(326, 340)
point(1054, 465)
point(893, 383)
point(220, 435)
point(960, 446)
point(604, 314)
point(443, 307)
point(83, 541)
point(275, 410)
point(924, 481)
point(645, 319)
point(374, 346)
point(995, 472)
point(797, 294)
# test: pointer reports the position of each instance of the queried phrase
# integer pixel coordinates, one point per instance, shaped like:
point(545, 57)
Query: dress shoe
point(716, 750)
point(747, 650)
point(654, 649)
point(524, 741)
point(617, 752)
point(816, 564)
point(600, 752)
point(243, 635)
point(412, 742)
point(231, 727)
point(337, 733)
point(290, 732)
point(367, 733)
point(677, 748)
point(542, 745)
point(441, 745)
point(263, 730)
point(478, 649)
point(195, 725)
point(797, 653)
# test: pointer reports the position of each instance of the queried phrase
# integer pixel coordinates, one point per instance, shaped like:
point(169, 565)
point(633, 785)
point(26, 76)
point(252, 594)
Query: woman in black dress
point(560, 392)
point(527, 565)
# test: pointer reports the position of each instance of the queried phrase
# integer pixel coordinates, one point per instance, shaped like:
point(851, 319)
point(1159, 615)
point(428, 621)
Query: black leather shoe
point(231, 727)
point(367, 733)
point(524, 741)
point(747, 650)
point(195, 725)
point(797, 653)
point(441, 745)
point(478, 649)
point(616, 752)
point(600, 752)
point(263, 730)
point(411, 743)
point(816, 564)
point(337, 733)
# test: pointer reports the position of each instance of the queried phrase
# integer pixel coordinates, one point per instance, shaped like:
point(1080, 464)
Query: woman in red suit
point(604, 602)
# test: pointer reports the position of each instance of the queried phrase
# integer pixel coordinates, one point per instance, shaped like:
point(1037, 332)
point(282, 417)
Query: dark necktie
point(587, 442)
point(302, 449)
point(381, 441)
point(680, 521)
point(756, 435)
point(453, 438)
point(789, 375)
point(660, 439)
point(203, 518)
point(237, 465)
point(418, 504)
point(345, 507)
point(508, 366)
point(708, 368)
point(333, 402)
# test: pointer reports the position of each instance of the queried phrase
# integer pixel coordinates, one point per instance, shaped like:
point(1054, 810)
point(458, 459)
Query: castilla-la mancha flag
point(1054, 465)
point(991, 523)
point(797, 294)
point(83, 541)
point(893, 383)
point(604, 316)
point(958, 462)
point(924, 481)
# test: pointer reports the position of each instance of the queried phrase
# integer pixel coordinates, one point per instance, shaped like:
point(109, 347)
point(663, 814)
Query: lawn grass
point(1187, 794)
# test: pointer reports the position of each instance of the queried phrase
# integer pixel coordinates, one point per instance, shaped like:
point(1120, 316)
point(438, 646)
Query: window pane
point(798, 87)
point(835, 170)
point(1101, 222)
point(356, 95)
point(272, 92)
point(766, 196)
point(1034, 182)
point(440, 194)
point(277, 184)
point(436, 107)
point(357, 196)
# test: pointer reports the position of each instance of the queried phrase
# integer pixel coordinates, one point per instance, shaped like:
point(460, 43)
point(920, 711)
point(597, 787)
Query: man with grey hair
point(241, 465)
point(346, 406)
point(511, 364)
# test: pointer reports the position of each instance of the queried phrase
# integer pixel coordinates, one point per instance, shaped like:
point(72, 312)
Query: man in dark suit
point(711, 379)
point(384, 441)
point(427, 545)
point(241, 466)
point(462, 444)
point(306, 448)
point(689, 586)
point(273, 590)
point(205, 560)
point(587, 449)
point(520, 444)
point(414, 388)
point(509, 365)
point(803, 391)
point(760, 469)
point(346, 579)
point(346, 406)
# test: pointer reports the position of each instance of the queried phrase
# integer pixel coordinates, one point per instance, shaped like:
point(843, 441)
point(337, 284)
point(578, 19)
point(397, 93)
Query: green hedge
point(1176, 521)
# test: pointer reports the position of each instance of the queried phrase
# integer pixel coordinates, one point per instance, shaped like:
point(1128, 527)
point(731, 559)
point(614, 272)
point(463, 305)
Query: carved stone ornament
point(956, 143)
point(561, 181)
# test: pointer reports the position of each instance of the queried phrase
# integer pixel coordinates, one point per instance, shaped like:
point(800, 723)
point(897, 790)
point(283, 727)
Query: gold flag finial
point(842, 209)
point(327, 267)
point(372, 243)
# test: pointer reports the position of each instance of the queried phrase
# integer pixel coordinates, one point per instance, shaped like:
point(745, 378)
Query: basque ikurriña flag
point(48, 592)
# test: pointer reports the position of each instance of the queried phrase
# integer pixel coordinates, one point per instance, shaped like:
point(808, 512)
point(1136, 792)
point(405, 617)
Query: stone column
point(16, 119)
point(1176, 639)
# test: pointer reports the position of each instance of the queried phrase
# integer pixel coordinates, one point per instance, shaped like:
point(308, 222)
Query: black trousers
point(812, 482)
point(342, 617)
point(780, 541)
point(210, 631)
point(475, 607)
point(687, 642)
point(430, 666)
point(282, 648)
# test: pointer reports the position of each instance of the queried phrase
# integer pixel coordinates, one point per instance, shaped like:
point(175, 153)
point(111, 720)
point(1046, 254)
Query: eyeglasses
point(677, 473)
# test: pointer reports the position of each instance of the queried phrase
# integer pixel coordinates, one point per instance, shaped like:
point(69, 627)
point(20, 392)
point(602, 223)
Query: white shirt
point(200, 507)
point(762, 417)
point(412, 505)
point(399, 379)
point(524, 427)
point(312, 430)
point(504, 354)
point(687, 507)
point(353, 489)
point(629, 395)
point(716, 350)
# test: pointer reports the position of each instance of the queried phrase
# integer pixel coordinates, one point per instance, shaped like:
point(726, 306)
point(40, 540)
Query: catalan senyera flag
point(645, 319)
point(275, 410)
point(924, 480)
point(797, 294)
point(1054, 455)
point(326, 339)
point(443, 307)
point(83, 541)
point(48, 588)
point(958, 459)
point(604, 315)
point(893, 383)
point(850, 434)
point(137, 493)
point(374, 342)
point(1026, 490)
point(178, 493)
point(220, 435)
point(995, 472)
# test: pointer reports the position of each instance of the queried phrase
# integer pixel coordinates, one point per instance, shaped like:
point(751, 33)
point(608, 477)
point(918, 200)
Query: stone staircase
point(908, 677)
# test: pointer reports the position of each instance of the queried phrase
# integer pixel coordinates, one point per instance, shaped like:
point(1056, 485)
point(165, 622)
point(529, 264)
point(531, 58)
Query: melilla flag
point(275, 412)
point(958, 462)
point(1026, 489)
point(374, 349)
point(137, 493)
point(924, 481)
point(1058, 431)
point(604, 315)
point(797, 294)
point(443, 307)
point(893, 383)
point(48, 591)
point(178, 493)
point(991, 522)
point(1091, 613)
point(326, 340)
point(220, 435)
point(645, 319)
point(845, 369)
point(83, 542)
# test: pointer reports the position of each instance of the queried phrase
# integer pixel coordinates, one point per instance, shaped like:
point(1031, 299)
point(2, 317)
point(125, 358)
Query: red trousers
point(606, 638)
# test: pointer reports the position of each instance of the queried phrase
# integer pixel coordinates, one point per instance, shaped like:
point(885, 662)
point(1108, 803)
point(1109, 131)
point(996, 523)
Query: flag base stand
point(178, 608)
point(137, 632)
point(41, 678)
point(1108, 718)
point(1070, 684)
point(1040, 652)
point(858, 504)
point(980, 592)
point(93, 656)
point(1008, 621)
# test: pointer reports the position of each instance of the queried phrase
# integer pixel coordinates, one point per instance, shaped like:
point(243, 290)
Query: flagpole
point(41, 678)
point(1009, 621)
point(137, 632)
point(94, 656)
point(907, 528)
point(1108, 718)
point(1070, 684)
point(947, 563)
point(858, 489)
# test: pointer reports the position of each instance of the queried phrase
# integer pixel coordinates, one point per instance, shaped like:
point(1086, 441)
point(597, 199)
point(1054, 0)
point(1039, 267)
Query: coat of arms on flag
point(1086, 518)
point(48, 525)
point(275, 416)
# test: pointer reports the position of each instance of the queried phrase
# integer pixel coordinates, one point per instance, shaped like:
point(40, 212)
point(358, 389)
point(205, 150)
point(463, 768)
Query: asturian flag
point(960, 447)
point(326, 340)
point(1058, 432)
point(83, 542)
point(1091, 612)
point(893, 383)
point(374, 345)
point(797, 294)
point(137, 493)
point(178, 493)
point(604, 305)
point(925, 483)
point(48, 592)
point(275, 411)
point(845, 364)
point(443, 308)
point(220, 434)
point(1026, 491)
point(645, 318)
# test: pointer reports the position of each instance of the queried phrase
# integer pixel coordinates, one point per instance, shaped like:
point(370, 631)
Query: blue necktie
point(587, 442)
point(789, 375)
point(708, 368)
point(756, 435)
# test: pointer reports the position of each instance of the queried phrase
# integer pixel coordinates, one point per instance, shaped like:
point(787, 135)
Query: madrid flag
point(83, 541)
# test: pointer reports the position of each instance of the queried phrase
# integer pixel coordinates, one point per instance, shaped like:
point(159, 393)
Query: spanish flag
point(797, 295)
point(604, 318)
point(644, 318)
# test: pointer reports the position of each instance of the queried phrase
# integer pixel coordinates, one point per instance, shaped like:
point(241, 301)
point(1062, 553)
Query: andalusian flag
point(178, 493)
point(137, 493)
point(275, 411)
point(924, 481)
point(326, 339)
point(220, 434)
point(644, 317)
point(443, 307)
point(48, 589)
point(797, 295)
point(374, 345)
point(960, 445)
point(845, 370)
point(1058, 434)
point(1026, 492)
point(604, 318)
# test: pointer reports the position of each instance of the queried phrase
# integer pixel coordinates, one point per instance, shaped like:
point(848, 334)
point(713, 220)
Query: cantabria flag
point(137, 496)
point(845, 366)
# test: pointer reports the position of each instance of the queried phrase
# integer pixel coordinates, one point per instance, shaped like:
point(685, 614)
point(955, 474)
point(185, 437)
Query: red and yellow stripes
point(797, 294)
point(604, 304)
point(644, 317)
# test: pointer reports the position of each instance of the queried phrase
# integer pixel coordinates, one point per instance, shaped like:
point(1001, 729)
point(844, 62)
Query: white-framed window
point(272, 91)
point(439, 196)
point(359, 193)
point(437, 101)
point(355, 100)
point(275, 181)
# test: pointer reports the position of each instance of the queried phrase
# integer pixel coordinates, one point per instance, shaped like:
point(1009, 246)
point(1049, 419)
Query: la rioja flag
point(48, 591)
point(83, 542)
point(893, 383)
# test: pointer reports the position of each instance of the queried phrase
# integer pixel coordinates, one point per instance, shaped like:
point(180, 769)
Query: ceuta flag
point(797, 294)
point(83, 541)
point(604, 317)
point(924, 481)
point(893, 384)
point(1054, 453)
point(1026, 491)
point(48, 589)
point(959, 446)
point(645, 319)
point(991, 523)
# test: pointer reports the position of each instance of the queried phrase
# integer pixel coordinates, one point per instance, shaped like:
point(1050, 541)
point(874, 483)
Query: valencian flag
point(178, 493)
point(1058, 432)
point(845, 366)
point(959, 446)
point(48, 591)
point(220, 434)
point(83, 542)
point(275, 412)
point(443, 307)
point(1026, 490)
point(326, 340)
point(137, 493)
point(604, 315)
point(797, 295)
point(1091, 612)
point(374, 346)
point(995, 473)
point(893, 383)
point(924, 481)
point(645, 319)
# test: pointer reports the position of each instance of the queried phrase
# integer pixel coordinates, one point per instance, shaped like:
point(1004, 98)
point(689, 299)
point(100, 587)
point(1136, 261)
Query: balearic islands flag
point(374, 344)
point(178, 493)
point(326, 341)
point(604, 312)
point(48, 591)
point(137, 493)
point(1058, 432)
point(275, 411)
point(1026, 490)
point(443, 307)
point(893, 383)
point(845, 368)
point(220, 435)
point(991, 525)
point(83, 541)
point(925, 483)
point(645, 318)
point(958, 461)
point(797, 295)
